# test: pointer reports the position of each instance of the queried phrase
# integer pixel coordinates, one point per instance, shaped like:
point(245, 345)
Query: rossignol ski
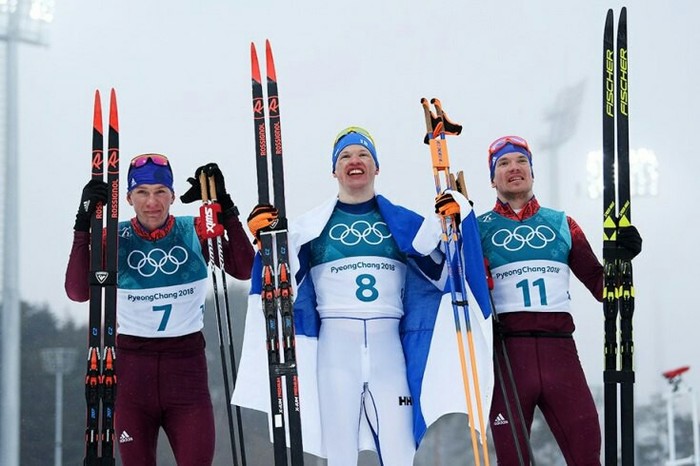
point(101, 379)
point(276, 275)
point(618, 291)
point(437, 127)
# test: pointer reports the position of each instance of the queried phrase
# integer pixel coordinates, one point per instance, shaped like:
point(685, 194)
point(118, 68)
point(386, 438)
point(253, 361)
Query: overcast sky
point(182, 73)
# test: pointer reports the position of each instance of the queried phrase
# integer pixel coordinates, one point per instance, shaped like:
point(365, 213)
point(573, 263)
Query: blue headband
point(350, 139)
point(508, 149)
point(150, 173)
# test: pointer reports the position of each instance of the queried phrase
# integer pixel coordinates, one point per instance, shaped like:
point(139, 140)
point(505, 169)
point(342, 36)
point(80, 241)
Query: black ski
point(101, 380)
point(94, 364)
point(618, 294)
point(276, 275)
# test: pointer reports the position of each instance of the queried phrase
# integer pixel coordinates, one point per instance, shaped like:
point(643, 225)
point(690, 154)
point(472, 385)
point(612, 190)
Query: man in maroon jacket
point(162, 286)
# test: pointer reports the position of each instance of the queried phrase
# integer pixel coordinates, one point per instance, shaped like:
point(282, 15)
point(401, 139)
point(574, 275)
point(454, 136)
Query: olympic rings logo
point(157, 260)
point(360, 230)
point(536, 238)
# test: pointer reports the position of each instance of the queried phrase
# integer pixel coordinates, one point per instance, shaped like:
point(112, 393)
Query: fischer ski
point(618, 291)
point(101, 379)
point(276, 275)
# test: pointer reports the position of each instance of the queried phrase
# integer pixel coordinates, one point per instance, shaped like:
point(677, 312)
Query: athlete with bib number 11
point(161, 290)
point(530, 251)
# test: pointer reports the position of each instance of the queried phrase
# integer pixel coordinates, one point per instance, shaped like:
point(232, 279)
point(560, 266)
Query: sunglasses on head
point(157, 159)
point(352, 129)
point(499, 143)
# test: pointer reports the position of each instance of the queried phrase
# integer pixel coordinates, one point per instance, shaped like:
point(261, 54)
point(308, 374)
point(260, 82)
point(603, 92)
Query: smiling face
point(355, 170)
point(513, 177)
point(152, 204)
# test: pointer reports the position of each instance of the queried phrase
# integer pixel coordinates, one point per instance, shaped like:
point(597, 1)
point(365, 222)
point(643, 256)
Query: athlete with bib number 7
point(161, 289)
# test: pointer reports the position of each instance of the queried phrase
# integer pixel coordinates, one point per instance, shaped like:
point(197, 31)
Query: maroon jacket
point(583, 263)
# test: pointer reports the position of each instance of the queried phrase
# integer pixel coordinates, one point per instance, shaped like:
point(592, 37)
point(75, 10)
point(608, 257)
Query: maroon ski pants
point(163, 383)
point(548, 375)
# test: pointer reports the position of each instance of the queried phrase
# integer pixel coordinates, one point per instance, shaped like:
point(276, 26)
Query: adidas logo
point(500, 420)
point(124, 438)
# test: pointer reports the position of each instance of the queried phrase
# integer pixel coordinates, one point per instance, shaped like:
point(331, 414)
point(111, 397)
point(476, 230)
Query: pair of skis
point(437, 127)
point(213, 232)
point(276, 275)
point(618, 291)
point(101, 379)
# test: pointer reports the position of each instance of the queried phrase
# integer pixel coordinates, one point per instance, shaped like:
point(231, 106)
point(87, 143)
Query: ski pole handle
point(203, 185)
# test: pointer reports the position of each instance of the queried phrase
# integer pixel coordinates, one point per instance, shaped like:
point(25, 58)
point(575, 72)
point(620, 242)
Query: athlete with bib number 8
point(360, 263)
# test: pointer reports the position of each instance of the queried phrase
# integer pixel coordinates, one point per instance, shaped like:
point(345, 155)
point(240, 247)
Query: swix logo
point(273, 104)
point(209, 219)
point(405, 401)
point(101, 276)
point(97, 160)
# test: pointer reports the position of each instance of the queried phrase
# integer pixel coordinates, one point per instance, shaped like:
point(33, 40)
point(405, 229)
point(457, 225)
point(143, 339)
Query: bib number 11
point(525, 286)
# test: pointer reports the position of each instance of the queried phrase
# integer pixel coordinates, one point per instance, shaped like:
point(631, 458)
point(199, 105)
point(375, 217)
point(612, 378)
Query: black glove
point(222, 197)
point(95, 191)
point(629, 242)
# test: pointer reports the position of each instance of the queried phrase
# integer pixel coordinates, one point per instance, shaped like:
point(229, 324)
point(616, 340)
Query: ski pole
point(208, 215)
point(229, 327)
point(511, 378)
point(435, 135)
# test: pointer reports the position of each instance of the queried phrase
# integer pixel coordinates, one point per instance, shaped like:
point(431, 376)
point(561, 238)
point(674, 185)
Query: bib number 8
point(366, 291)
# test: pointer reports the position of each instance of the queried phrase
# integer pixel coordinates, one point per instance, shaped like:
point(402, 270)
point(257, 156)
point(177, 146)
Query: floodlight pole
point(11, 326)
point(58, 361)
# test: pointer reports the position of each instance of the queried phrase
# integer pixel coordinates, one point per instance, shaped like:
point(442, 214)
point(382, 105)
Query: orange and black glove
point(264, 217)
point(446, 205)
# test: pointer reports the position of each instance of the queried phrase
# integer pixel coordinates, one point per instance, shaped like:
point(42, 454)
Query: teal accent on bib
point(175, 259)
point(354, 235)
point(544, 236)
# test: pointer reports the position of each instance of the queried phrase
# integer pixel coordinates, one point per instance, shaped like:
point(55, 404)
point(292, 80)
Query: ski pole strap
point(536, 334)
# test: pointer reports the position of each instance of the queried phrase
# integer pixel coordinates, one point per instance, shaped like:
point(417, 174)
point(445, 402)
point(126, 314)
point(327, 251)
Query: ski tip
point(254, 65)
point(97, 113)
point(270, 62)
point(113, 112)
